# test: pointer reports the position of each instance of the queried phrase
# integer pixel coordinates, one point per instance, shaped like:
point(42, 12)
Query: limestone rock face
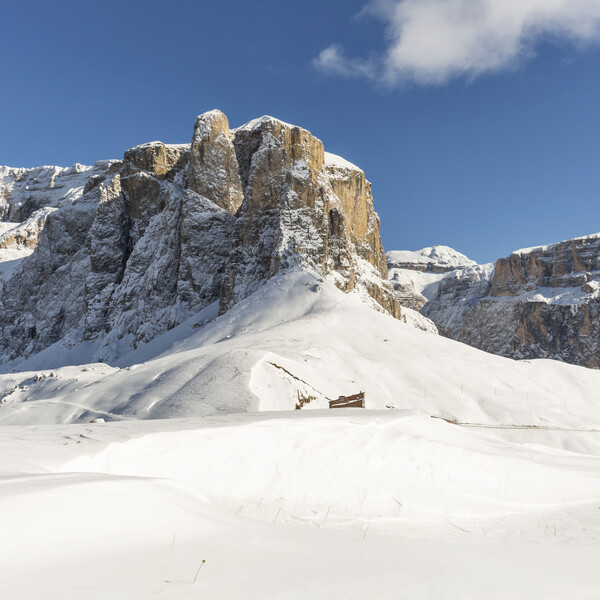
point(118, 253)
point(107, 244)
point(406, 293)
point(301, 209)
point(361, 223)
point(279, 219)
point(537, 303)
point(162, 161)
point(213, 169)
point(26, 234)
point(24, 191)
point(456, 295)
point(42, 302)
point(533, 329)
point(571, 263)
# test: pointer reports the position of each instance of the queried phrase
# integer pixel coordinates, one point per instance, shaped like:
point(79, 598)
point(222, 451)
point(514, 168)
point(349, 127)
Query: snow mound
point(363, 466)
point(293, 506)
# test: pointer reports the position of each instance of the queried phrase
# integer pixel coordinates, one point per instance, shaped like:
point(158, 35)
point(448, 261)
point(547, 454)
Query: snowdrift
point(293, 505)
point(365, 465)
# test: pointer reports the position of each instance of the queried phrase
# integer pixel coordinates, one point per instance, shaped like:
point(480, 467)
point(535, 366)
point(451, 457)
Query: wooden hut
point(355, 401)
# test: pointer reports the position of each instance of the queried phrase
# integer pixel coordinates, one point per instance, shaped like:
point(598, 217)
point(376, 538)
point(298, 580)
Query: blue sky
point(480, 155)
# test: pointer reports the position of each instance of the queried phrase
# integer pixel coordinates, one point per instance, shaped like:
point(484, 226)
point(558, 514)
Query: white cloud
point(332, 60)
point(433, 41)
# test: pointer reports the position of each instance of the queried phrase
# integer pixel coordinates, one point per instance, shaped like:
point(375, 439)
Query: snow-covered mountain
point(415, 274)
point(433, 259)
point(225, 504)
point(162, 317)
point(196, 279)
point(115, 254)
point(539, 302)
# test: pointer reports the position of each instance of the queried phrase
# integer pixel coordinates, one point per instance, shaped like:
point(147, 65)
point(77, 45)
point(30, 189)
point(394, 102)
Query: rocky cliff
point(538, 303)
point(118, 253)
point(415, 275)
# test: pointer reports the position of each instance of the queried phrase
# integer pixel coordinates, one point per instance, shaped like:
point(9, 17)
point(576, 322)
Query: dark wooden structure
point(355, 401)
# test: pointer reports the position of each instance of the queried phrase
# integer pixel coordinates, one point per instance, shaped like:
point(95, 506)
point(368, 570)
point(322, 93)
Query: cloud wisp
point(430, 42)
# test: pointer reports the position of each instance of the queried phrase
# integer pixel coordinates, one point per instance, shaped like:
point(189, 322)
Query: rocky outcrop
point(213, 171)
point(416, 275)
point(26, 235)
point(537, 303)
point(25, 191)
point(568, 264)
point(136, 246)
point(42, 302)
point(162, 161)
point(456, 295)
point(301, 209)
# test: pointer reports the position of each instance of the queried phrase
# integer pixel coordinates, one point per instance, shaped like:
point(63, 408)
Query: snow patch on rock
point(334, 160)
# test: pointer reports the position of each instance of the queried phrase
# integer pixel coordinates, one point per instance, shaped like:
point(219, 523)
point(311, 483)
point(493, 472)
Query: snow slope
point(298, 336)
point(346, 504)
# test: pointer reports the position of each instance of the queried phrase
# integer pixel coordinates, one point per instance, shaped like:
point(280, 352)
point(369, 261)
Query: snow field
point(131, 509)
point(359, 465)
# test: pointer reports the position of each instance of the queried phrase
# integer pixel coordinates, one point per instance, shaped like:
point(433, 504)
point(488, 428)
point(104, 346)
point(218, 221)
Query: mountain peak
point(433, 258)
point(131, 248)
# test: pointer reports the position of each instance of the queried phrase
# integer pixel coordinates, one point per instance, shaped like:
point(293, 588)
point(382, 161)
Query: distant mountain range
point(539, 302)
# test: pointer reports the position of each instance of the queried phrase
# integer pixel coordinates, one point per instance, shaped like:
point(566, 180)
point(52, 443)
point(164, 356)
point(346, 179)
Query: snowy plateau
point(164, 315)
